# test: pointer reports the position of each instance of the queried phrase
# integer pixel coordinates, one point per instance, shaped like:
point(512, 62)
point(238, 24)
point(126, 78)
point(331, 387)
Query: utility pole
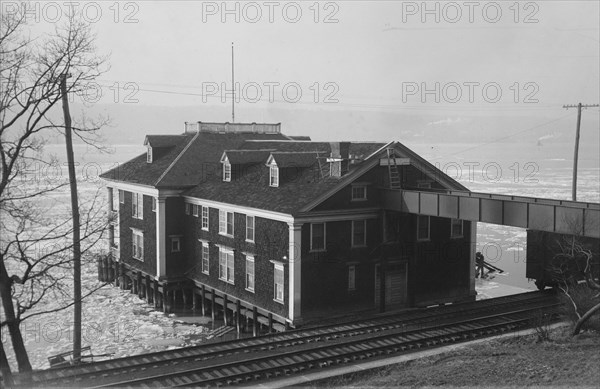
point(576, 153)
point(76, 232)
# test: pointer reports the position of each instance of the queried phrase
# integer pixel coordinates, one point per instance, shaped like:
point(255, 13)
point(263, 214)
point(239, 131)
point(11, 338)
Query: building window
point(359, 193)
point(250, 273)
point(359, 233)
point(456, 228)
point(250, 228)
point(317, 236)
point(422, 227)
point(149, 155)
point(138, 244)
point(195, 209)
point(137, 205)
point(187, 208)
point(351, 277)
point(274, 175)
point(226, 172)
point(225, 223)
point(205, 258)
point(175, 245)
point(153, 204)
point(205, 218)
point(278, 283)
point(121, 196)
point(226, 269)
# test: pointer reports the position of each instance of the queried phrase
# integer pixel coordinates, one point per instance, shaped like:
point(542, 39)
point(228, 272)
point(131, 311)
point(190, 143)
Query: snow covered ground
point(114, 322)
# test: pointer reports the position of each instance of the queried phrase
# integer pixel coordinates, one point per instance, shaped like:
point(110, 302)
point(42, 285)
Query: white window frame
point(205, 250)
point(250, 227)
point(277, 290)
point(137, 249)
point(205, 218)
point(121, 196)
point(195, 209)
point(149, 155)
point(227, 265)
point(312, 248)
point(137, 206)
point(351, 277)
point(154, 201)
point(175, 244)
point(250, 285)
point(419, 238)
point(188, 208)
point(364, 193)
point(363, 244)
point(274, 176)
point(461, 226)
point(224, 223)
point(226, 172)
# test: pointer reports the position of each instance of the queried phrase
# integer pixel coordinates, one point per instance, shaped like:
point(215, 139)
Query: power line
point(576, 152)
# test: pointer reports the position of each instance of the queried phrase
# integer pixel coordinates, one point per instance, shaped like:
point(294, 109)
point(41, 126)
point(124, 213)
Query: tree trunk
point(76, 231)
point(12, 322)
point(585, 318)
point(5, 368)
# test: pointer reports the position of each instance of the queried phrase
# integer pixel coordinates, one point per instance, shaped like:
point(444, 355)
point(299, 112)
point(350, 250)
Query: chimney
point(339, 159)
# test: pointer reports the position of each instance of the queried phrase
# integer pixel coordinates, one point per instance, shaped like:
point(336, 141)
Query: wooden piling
point(148, 290)
point(225, 310)
point(238, 316)
point(117, 275)
point(203, 300)
point(212, 307)
point(254, 321)
point(155, 294)
point(139, 284)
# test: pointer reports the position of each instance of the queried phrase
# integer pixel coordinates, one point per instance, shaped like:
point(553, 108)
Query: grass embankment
point(514, 362)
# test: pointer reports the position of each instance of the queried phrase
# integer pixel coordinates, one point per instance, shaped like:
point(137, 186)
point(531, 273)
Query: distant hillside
point(130, 123)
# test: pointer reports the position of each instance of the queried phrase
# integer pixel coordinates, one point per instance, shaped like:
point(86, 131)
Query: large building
point(282, 229)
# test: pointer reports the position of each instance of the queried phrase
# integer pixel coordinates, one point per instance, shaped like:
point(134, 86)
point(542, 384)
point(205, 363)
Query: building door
point(395, 284)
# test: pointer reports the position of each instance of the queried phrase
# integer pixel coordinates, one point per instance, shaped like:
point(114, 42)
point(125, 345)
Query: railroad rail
point(219, 363)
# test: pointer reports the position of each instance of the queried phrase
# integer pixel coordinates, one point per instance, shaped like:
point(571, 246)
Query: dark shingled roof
point(193, 163)
point(163, 140)
point(295, 159)
point(194, 157)
point(243, 157)
point(297, 187)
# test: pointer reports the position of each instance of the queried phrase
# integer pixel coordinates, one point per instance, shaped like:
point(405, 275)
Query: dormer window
point(274, 176)
point(227, 172)
point(149, 155)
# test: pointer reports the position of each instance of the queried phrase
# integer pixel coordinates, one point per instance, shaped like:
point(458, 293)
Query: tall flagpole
point(233, 87)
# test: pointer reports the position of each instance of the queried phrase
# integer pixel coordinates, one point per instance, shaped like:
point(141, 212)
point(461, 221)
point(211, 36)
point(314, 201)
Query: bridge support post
point(270, 323)
point(238, 316)
point(155, 290)
point(194, 301)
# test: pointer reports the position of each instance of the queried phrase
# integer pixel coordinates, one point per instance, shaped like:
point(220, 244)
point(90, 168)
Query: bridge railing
point(566, 217)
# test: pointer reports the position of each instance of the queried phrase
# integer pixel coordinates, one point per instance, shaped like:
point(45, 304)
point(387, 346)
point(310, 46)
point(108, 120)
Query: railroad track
point(265, 366)
point(113, 370)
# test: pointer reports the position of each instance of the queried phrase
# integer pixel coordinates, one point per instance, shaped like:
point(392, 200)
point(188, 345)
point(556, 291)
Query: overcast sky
point(375, 54)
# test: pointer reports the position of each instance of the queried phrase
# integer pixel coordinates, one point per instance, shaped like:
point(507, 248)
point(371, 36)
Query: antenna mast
point(233, 87)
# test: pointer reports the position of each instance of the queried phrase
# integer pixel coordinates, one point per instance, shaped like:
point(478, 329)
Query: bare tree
point(35, 243)
point(574, 267)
